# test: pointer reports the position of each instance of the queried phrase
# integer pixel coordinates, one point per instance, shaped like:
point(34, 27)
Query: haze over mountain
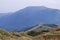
point(28, 17)
point(2, 14)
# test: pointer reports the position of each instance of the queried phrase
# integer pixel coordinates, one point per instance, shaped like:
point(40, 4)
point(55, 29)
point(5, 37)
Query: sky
point(14, 5)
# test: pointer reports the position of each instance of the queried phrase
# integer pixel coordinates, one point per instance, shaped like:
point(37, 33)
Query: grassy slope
point(53, 34)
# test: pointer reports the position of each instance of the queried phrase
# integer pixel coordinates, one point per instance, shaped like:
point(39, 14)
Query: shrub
point(33, 33)
point(4, 32)
point(45, 31)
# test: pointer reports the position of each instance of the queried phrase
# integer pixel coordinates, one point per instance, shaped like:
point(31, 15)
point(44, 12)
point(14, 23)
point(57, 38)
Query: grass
point(30, 35)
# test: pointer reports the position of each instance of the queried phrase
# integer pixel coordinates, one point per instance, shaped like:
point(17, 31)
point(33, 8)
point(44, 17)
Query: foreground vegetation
point(51, 34)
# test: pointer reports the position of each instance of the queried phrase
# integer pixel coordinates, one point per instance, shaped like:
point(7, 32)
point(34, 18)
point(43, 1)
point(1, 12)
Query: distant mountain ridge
point(26, 18)
point(42, 27)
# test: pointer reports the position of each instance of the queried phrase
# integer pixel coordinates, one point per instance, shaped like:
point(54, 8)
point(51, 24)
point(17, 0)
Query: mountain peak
point(41, 7)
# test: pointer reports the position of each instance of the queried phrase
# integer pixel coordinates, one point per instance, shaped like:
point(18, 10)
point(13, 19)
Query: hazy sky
point(14, 5)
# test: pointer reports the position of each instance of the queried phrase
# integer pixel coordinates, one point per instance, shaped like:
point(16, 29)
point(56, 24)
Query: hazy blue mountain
point(2, 14)
point(28, 17)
